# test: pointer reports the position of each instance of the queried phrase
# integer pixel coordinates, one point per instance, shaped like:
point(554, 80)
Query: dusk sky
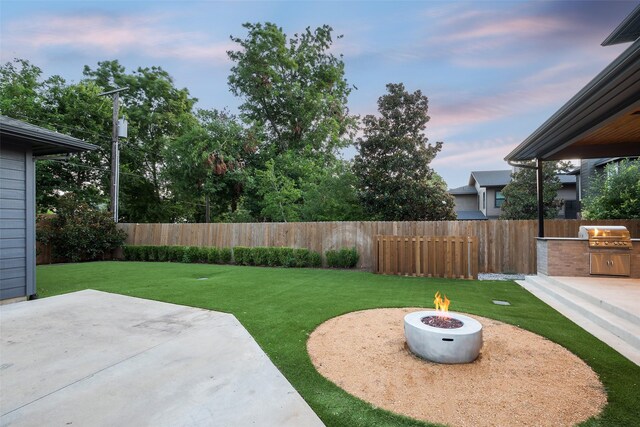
point(493, 71)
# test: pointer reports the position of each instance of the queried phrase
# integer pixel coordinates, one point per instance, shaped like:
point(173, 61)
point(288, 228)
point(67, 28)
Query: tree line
point(276, 160)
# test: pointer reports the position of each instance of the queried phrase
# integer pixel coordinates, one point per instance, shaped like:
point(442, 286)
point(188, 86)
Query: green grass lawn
point(281, 307)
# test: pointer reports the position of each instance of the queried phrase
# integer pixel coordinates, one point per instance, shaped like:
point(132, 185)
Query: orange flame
point(442, 305)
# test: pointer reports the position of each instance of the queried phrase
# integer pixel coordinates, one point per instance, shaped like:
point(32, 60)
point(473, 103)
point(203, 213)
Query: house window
point(499, 199)
point(484, 200)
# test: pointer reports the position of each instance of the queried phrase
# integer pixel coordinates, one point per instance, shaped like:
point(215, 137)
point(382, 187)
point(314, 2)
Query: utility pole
point(115, 152)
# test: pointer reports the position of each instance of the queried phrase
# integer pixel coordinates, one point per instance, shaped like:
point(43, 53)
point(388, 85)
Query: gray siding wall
point(466, 202)
point(587, 173)
point(492, 211)
point(16, 222)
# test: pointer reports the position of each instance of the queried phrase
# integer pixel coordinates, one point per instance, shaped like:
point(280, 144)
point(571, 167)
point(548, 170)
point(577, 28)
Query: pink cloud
point(546, 89)
point(514, 27)
point(115, 35)
point(511, 36)
point(480, 154)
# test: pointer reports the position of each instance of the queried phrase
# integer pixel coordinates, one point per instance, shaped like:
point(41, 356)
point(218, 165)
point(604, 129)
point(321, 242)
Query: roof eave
point(45, 141)
point(544, 141)
point(627, 30)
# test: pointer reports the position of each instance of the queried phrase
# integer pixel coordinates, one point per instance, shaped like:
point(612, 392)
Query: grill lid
point(606, 236)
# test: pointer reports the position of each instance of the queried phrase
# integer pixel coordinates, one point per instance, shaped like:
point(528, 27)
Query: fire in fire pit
point(442, 320)
point(442, 336)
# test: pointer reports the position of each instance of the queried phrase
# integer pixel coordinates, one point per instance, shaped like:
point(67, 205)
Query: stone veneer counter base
point(565, 256)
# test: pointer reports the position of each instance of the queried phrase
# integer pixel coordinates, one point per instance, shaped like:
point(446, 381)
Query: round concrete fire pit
point(459, 341)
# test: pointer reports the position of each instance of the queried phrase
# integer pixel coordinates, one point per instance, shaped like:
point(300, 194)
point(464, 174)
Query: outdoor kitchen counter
point(569, 256)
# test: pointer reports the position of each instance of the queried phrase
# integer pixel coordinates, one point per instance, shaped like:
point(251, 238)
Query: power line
point(92, 134)
point(122, 173)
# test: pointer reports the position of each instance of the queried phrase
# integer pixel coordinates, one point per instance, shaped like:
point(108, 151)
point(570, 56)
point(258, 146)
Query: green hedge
point(343, 258)
point(276, 257)
point(263, 256)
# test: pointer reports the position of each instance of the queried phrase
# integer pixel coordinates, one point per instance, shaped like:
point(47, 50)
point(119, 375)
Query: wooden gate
point(445, 256)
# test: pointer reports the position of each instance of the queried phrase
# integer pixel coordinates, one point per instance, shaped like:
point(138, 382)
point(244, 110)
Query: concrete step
point(618, 332)
point(633, 317)
point(619, 326)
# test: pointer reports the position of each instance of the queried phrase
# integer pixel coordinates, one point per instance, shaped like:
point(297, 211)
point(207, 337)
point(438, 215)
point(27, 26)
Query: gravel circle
point(519, 379)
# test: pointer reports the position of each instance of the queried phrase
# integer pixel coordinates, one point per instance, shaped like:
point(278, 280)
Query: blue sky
point(493, 71)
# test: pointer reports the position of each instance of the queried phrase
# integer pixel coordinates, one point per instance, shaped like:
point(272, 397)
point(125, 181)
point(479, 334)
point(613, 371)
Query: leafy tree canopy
point(157, 112)
point(296, 87)
point(395, 179)
point(615, 193)
point(208, 162)
point(520, 195)
point(73, 109)
point(295, 100)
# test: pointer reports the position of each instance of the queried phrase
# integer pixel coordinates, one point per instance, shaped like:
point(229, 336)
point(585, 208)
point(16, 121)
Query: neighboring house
point(483, 198)
point(20, 145)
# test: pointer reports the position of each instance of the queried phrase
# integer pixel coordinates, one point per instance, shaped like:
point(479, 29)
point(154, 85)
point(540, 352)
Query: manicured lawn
point(281, 307)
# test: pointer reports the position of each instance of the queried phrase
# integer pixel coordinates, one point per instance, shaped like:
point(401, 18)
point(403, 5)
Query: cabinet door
point(610, 264)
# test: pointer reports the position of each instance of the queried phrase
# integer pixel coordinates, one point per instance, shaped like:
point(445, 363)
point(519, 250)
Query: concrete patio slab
point(608, 308)
point(97, 359)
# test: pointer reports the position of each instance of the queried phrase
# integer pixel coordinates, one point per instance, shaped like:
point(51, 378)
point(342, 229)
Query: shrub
point(315, 260)
point(261, 256)
point(141, 253)
point(213, 255)
point(284, 257)
point(131, 253)
point(79, 233)
point(343, 258)
point(242, 255)
point(162, 253)
point(174, 253)
point(200, 254)
point(301, 257)
point(151, 252)
point(189, 254)
point(225, 256)
point(614, 193)
point(266, 256)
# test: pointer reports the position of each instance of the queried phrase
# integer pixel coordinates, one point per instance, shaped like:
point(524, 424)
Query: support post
point(540, 190)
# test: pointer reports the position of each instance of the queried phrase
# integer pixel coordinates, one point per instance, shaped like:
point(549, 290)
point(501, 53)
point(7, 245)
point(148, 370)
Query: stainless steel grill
point(606, 236)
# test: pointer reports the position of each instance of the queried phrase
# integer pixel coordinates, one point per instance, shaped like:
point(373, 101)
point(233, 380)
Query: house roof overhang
point(42, 141)
point(602, 120)
point(490, 178)
point(464, 190)
point(627, 31)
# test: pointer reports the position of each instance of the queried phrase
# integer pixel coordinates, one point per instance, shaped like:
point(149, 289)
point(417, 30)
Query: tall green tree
point(294, 94)
point(521, 195)
point(206, 166)
point(21, 89)
point(72, 109)
point(296, 87)
point(395, 180)
point(280, 194)
point(157, 112)
point(614, 193)
point(332, 196)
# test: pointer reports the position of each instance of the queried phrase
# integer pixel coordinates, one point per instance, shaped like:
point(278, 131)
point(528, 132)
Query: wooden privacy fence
point(439, 256)
point(503, 246)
